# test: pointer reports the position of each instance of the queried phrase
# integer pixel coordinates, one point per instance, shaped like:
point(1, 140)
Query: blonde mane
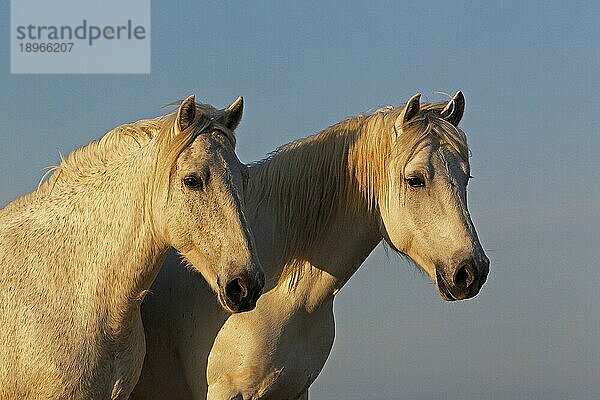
point(340, 171)
point(92, 159)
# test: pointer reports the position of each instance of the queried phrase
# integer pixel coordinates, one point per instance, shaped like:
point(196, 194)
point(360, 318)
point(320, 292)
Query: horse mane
point(124, 139)
point(341, 170)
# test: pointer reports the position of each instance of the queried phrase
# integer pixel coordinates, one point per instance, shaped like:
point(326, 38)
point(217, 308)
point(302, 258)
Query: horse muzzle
point(240, 293)
point(463, 282)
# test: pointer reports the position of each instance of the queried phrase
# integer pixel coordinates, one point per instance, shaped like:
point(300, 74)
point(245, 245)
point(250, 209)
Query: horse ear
point(232, 115)
point(411, 109)
point(453, 112)
point(186, 113)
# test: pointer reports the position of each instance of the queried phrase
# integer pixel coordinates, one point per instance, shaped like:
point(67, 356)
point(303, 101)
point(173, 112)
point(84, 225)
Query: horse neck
point(313, 227)
point(96, 213)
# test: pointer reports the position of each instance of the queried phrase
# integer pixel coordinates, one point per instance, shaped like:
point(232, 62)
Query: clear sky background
point(530, 74)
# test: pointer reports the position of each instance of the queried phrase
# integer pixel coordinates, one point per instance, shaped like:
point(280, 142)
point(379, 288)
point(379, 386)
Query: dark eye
point(193, 182)
point(415, 181)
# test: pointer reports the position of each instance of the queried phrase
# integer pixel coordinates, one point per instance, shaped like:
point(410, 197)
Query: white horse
point(318, 207)
point(78, 255)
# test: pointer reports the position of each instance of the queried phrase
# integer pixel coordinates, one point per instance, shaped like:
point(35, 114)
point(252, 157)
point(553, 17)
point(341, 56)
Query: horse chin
point(443, 288)
point(447, 294)
point(224, 304)
point(233, 308)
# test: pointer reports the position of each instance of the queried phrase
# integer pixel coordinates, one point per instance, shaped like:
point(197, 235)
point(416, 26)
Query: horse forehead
point(447, 162)
point(204, 149)
point(441, 160)
point(452, 159)
point(424, 152)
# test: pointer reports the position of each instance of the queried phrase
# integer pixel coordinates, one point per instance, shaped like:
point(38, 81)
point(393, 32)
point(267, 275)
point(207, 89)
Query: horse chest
point(282, 361)
point(104, 364)
point(117, 364)
point(302, 354)
point(127, 357)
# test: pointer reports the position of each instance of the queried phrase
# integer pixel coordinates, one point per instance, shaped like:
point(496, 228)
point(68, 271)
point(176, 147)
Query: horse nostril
point(464, 276)
point(236, 290)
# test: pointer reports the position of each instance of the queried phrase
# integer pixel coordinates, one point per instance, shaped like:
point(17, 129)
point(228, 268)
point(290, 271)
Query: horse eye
point(415, 181)
point(192, 182)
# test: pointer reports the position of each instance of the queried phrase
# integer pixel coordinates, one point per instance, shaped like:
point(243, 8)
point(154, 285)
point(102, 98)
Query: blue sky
point(529, 71)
